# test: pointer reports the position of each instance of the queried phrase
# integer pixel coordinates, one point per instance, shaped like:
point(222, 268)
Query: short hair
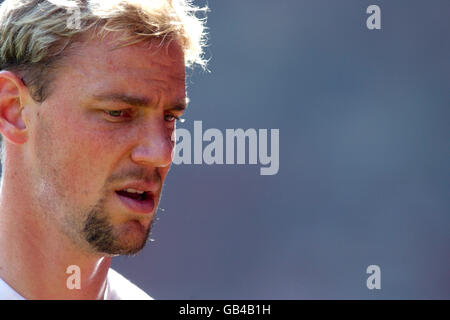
point(36, 34)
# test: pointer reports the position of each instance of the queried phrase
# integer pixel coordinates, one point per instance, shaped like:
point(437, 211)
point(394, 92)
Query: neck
point(35, 256)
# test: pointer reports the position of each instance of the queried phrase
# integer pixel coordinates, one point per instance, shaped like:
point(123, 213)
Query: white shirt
point(8, 293)
point(117, 288)
point(120, 288)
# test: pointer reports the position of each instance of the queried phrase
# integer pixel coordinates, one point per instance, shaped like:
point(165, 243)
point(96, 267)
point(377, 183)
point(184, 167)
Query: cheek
point(72, 157)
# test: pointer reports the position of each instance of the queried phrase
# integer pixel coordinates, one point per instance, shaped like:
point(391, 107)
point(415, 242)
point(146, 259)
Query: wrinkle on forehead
point(145, 55)
point(140, 68)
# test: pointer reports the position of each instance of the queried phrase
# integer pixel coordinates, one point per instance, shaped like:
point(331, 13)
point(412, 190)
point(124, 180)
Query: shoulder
point(120, 288)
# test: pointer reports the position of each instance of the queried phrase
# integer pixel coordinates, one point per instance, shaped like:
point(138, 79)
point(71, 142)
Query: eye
point(115, 115)
point(171, 118)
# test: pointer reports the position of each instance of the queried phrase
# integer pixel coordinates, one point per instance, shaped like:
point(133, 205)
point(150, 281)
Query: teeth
point(134, 191)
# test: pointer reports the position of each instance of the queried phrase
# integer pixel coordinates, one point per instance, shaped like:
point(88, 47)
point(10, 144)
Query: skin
point(65, 157)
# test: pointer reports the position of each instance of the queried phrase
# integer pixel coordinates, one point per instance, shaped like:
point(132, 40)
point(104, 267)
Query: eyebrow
point(136, 101)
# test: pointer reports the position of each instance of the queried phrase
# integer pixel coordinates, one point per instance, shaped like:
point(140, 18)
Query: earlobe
point(12, 124)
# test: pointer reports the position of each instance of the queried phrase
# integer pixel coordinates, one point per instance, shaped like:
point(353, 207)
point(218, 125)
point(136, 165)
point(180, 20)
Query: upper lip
point(141, 186)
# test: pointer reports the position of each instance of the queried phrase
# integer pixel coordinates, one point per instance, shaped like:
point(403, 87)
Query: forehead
point(149, 67)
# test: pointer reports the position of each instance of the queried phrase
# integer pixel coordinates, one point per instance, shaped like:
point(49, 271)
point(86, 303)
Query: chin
point(130, 238)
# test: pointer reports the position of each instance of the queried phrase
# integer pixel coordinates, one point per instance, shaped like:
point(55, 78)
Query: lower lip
point(145, 206)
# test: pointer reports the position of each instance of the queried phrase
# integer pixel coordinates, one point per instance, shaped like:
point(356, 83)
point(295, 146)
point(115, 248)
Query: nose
point(155, 146)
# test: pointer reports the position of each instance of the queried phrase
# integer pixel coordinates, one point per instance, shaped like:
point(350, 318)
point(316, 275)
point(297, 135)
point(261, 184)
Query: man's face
point(106, 129)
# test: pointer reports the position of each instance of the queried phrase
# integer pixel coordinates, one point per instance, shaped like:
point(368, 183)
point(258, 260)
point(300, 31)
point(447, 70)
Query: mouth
point(138, 201)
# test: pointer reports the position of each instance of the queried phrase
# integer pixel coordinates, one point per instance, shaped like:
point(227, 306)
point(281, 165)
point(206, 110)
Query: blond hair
point(35, 34)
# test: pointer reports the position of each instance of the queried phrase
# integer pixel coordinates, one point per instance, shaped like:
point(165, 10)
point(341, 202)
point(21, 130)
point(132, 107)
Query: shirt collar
point(8, 293)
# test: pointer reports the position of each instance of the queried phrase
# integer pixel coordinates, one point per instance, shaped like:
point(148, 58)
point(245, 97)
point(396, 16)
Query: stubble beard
point(102, 237)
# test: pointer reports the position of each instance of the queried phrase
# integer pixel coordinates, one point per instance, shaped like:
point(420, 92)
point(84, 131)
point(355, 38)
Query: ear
point(12, 98)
